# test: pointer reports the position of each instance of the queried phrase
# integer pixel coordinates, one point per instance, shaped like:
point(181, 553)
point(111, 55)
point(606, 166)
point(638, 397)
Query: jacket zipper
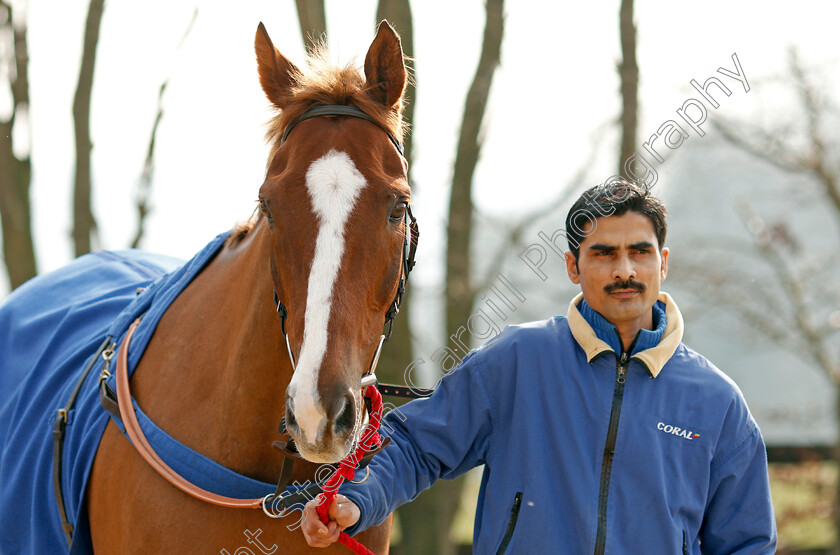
point(685, 544)
point(514, 514)
point(609, 451)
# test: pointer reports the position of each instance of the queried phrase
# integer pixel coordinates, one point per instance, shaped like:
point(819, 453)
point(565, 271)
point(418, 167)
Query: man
point(600, 432)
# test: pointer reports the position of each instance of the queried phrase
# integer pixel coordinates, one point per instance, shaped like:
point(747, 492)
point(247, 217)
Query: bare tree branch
point(792, 285)
point(513, 233)
point(764, 146)
point(144, 188)
point(816, 160)
point(724, 290)
point(771, 148)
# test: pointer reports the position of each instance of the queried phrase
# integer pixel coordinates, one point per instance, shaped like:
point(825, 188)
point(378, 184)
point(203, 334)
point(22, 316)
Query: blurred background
point(141, 124)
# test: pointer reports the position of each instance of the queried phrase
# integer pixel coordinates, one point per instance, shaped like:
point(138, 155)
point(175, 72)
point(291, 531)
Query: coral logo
point(674, 430)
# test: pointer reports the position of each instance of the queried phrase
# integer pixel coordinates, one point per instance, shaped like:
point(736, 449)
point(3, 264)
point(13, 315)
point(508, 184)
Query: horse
point(274, 325)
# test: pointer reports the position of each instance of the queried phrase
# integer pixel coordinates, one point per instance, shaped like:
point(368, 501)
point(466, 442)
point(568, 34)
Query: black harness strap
point(308, 493)
point(285, 475)
point(58, 439)
point(108, 400)
point(339, 110)
point(403, 391)
point(412, 248)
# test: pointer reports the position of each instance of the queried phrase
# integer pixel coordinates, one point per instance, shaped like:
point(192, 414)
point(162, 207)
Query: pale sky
point(556, 86)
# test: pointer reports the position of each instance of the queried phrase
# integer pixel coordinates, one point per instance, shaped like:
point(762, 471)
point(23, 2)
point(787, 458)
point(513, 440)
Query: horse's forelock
point(324, 84)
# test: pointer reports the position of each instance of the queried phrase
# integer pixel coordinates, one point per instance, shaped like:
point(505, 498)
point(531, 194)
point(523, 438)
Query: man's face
point(619, 269)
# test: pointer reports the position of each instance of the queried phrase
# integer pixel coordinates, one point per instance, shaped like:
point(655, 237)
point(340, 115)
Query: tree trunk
point(427, 520)
point(398, 14)
point(398, 354)
point(84, 226)
point(460, 295)
point(15, 173)
point(416, 521)
point(313, 21)
point(15, 213)
point(628, 72)
point(835, 549)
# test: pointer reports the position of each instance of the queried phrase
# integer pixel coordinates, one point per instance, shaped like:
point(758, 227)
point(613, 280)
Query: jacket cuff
point(362, 523)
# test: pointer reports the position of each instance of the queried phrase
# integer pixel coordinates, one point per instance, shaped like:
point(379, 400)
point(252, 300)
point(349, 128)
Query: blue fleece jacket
point(687, 472)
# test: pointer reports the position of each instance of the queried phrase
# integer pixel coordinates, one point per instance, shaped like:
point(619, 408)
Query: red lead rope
point(347, 468)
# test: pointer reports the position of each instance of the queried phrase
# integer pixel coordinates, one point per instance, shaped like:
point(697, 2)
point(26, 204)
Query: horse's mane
point(324, 84)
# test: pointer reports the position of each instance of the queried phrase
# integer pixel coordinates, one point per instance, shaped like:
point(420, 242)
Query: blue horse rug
point(50, 329)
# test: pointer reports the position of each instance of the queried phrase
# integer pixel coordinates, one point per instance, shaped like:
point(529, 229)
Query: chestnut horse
point(215, 375)
point(221, 370)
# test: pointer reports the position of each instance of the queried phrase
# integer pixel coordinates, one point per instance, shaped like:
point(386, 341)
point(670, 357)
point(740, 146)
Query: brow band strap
point(339, 110)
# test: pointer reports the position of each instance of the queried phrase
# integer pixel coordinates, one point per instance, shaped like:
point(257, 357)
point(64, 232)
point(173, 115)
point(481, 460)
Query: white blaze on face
point(334, 185)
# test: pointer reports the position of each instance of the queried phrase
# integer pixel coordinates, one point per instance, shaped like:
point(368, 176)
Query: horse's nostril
point(345, 420)
point(291, 421)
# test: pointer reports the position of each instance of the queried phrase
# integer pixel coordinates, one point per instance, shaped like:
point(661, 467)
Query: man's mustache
point(627, 284)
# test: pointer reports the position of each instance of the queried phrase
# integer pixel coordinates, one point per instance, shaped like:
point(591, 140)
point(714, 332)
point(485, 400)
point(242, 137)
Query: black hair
point(614, 197)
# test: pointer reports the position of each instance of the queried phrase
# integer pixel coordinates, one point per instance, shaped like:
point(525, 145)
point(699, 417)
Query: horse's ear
point(384, 67)
point(277, 73)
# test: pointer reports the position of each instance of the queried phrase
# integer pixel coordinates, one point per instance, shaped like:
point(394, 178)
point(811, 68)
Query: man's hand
point(343, 514)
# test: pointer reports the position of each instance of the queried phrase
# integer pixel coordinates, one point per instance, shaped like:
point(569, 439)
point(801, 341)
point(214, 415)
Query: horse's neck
point(215, 372)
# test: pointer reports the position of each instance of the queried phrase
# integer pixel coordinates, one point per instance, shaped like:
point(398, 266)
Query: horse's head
point(335, 199)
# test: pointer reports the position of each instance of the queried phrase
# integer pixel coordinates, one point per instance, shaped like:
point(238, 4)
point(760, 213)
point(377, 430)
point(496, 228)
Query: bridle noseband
point(411, 231)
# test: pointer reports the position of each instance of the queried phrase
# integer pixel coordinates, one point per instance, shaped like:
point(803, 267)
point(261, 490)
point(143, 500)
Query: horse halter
point(411, 230)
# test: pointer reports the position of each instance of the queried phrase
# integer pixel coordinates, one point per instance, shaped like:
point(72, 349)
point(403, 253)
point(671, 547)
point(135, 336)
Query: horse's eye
point(265, 211)
point(398, 213)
